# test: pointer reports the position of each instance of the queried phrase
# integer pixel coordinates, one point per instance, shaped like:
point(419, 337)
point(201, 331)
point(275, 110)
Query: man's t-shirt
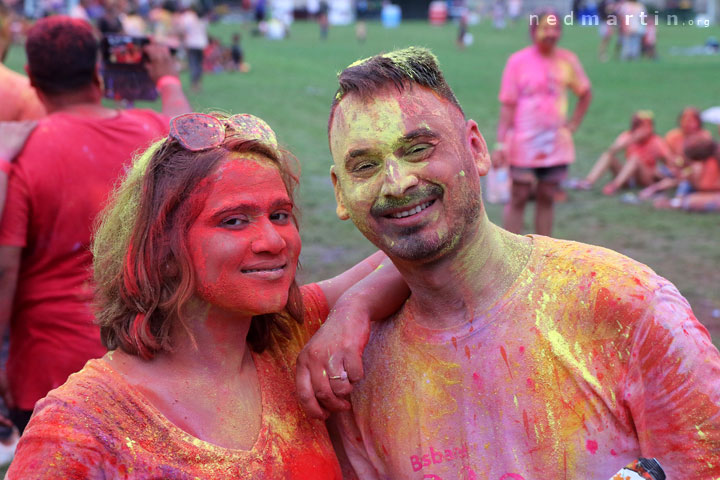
point(589, 361)
point(537, 85)
point(97, 426)
point(58, 185)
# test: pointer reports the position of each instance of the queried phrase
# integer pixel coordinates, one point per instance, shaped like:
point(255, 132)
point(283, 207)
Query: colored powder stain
point(515, 401)
point(526, 424)
point(477, 380)
point(454, 342)
point(613, 452)
point(561, 346)
point(701, 434)
point(592, 446)
point(522, 349)
point(504, 356)
point(467, 352)
point(462, 173)
point(531, 384)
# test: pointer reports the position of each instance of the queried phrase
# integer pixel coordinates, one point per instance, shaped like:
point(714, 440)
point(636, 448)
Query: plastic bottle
point(641, 469)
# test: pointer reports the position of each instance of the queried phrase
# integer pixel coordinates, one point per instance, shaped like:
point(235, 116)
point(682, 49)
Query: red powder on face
point(244, 244)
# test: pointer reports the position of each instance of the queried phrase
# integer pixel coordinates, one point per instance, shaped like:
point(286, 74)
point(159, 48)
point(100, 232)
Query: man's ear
point(341, 211)
point(98, 79)
point(478, 147)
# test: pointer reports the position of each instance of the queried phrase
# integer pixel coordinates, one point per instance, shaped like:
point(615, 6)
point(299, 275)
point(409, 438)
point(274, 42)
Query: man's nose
point(268, 239)
point(398, 178)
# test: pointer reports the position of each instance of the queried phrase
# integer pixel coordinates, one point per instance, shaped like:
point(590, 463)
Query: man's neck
point(464, 283)
point(83, 103)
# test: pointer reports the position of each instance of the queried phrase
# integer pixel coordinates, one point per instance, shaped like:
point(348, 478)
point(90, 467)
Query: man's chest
point(480, 407)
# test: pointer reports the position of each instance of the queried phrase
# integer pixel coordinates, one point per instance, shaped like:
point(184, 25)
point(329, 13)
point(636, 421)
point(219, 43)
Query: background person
point(195, 40)
point(534, 136)
point(643, 148)
point(19, 101)
point(58, 184)
point(689, 125)
point(704, 194)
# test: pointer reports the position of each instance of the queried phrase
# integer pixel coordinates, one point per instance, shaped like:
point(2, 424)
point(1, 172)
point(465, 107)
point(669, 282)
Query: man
point(533, 135)
point(58, 184)
point(514, 357)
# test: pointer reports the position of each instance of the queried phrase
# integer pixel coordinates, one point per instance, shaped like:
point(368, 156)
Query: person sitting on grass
point(689, 125)
point(195, 263)
point(643, 148)
point(704, 177)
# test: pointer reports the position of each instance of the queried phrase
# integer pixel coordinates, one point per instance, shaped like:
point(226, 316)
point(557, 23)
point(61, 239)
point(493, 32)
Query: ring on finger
point(343, 376)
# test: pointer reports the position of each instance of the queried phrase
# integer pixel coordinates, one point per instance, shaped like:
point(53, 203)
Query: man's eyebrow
point(357, 152)
point(419, 132)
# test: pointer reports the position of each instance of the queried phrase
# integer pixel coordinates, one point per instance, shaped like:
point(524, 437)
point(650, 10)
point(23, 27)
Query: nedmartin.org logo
point(641, 18)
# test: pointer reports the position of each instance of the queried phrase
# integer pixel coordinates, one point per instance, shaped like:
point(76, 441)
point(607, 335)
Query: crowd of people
point(686, 161)
point(157, 330)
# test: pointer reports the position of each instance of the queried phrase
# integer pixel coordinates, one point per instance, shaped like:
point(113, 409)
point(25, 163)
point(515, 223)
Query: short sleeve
point(315, 305)
point(16, 214)
point(55, 446)
point(579, 81)
point(672, 388)
point(508, 84)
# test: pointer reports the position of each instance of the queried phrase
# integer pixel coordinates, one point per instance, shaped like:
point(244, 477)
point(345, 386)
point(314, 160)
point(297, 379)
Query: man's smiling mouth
point(411, 211)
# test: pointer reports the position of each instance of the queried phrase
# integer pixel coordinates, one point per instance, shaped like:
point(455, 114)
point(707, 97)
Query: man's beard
point(411, 243)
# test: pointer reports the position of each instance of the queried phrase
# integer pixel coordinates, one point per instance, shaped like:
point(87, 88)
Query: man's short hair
point(401, 68)
point(61, 54)
point(698, 147)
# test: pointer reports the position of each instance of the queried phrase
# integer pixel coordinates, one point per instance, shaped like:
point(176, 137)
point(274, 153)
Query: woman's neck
point(212, 342)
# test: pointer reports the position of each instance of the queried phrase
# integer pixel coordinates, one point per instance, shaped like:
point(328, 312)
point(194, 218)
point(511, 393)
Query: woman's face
point(689, 123)
point(244, 244)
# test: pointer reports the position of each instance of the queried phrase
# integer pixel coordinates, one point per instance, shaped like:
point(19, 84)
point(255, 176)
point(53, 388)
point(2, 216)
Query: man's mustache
point(384, 204)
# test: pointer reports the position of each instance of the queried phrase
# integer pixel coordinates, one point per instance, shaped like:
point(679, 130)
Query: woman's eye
point(280, 216)
point(234, 222)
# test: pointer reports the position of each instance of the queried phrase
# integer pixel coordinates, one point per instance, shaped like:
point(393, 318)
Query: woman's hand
point(332, 360)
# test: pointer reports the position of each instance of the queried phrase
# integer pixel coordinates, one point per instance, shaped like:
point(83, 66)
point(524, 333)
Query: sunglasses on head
point(200, 131)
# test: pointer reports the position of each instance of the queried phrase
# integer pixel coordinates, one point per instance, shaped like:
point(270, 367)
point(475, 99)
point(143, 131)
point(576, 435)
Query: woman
point(195, 264)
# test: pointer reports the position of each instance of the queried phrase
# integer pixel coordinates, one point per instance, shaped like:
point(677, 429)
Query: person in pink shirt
point(534, 135)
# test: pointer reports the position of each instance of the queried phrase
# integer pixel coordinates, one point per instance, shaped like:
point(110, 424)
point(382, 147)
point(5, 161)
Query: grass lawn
point(292, 83)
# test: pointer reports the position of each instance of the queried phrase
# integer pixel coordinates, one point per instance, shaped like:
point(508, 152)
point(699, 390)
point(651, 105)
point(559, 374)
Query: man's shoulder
point(607, 268)
point(567, 55)
point(521, 55)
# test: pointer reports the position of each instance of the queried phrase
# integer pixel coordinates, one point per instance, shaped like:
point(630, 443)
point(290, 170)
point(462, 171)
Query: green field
point(292, 83)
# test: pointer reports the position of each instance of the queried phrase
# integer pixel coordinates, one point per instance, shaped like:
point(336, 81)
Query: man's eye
point(417, 149)
point(363, 166)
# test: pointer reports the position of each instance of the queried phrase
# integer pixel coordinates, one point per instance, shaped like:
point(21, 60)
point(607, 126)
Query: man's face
point(407, 171)
point(547, 33)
